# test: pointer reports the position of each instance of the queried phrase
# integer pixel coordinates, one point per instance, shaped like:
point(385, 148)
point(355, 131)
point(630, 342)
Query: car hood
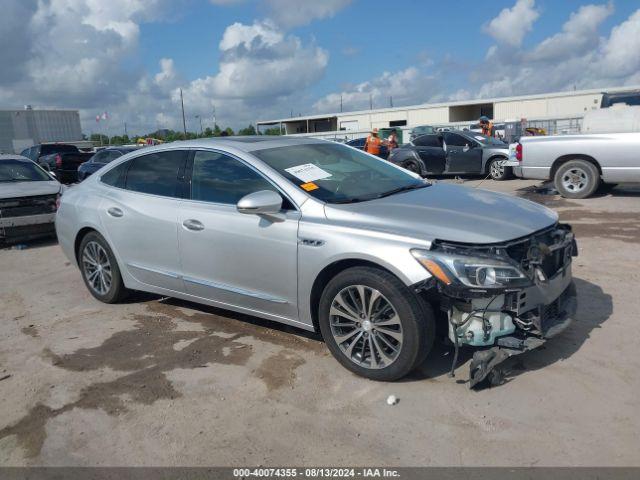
point(28, 189)
point(447, 212)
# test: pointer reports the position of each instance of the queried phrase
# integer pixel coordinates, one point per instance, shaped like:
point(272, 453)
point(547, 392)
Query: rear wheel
point(577, 179)
point(100, 270)
point(498, 171)
point(374, 325)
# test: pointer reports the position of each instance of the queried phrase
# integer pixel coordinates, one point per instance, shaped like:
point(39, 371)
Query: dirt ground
point(161, 382)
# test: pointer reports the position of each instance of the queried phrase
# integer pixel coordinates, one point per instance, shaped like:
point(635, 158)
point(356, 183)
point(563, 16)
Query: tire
point(499, 173)
point(576, 179)
point(94, 250)
point(399, 343)
point(412, 166)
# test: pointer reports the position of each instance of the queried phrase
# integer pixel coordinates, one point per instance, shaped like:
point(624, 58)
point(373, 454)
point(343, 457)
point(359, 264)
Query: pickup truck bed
point(64, 165)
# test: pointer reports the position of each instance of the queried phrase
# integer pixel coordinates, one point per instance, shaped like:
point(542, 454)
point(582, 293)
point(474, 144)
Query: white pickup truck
point(578, 164)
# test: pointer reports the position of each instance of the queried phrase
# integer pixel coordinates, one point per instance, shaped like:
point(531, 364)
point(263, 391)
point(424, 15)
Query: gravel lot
point(164, 382)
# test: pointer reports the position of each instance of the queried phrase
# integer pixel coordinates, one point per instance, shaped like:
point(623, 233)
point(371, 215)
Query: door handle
point(115, 212)
point(193, 225)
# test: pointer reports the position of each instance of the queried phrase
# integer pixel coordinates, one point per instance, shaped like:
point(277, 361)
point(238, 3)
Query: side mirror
point(466, 147)
point(261, 202)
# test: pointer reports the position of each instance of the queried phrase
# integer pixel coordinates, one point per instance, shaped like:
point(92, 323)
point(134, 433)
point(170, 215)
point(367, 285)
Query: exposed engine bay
point(504, 298)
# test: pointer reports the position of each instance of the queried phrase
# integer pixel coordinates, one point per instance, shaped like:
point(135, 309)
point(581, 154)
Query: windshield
point(21, 171)
point(338, 174)
point(484, 139)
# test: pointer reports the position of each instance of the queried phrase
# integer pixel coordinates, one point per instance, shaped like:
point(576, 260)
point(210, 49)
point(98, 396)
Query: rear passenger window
point(156, 173)
point(219, 178)
point(115, 176)
point(427, 141)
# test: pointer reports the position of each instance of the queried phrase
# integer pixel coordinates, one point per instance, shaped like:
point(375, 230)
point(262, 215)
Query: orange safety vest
point(488, 129)
point(372, 145)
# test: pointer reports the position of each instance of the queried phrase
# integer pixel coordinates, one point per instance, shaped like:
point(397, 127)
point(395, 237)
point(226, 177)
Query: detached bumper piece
point(547, 322)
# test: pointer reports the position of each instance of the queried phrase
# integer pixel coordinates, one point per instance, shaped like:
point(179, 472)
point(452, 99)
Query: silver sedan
point(326, 238)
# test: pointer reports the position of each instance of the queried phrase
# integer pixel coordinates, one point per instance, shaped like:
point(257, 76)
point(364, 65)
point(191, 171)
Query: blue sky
point(256, 59)
point(363, 40)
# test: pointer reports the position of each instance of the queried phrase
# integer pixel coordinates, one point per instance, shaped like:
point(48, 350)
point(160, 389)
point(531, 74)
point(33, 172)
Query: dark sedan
point(454, 153)
point(100, 159)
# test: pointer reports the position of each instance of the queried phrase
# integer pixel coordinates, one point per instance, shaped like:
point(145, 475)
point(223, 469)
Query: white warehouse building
point(22, 128)
point(567, 108)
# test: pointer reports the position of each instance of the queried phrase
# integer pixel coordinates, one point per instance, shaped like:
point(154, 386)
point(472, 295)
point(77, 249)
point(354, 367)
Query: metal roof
point(476, 101)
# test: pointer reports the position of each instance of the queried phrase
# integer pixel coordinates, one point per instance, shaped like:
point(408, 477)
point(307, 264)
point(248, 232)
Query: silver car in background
point(29, 196)
point(327, 238)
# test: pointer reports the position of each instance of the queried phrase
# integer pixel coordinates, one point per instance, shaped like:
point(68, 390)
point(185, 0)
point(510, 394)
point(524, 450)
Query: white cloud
point(78, 52)
point(259, 62)
point(406, 86)
point(577, 56)
point(621, 52)
point(512, 24)
point(293, 13)
point(579, 34)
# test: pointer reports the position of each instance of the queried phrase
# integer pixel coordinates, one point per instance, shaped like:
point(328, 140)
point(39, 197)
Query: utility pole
point(184, 121)
point(126, 134)
point(370, 101)
point(391, 101)
point(214, 117)
point(340, 103)
point(200, 118)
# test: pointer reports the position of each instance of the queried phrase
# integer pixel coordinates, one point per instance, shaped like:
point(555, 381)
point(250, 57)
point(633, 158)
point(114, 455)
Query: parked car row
point(61, 159)
point(68, 164)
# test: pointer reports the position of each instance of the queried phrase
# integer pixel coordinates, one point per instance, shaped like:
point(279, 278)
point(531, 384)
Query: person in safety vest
point(373, 143)
point(487, 126)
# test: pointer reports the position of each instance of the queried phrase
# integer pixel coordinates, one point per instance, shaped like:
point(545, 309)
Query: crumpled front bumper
point(550, 320)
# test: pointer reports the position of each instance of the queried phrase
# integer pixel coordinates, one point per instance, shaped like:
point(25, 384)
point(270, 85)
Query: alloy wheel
point(366, 327)
point(496, 170)
point(97, 268)
point(575, 180)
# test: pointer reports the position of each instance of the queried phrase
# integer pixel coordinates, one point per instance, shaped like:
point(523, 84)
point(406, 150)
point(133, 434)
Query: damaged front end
point(505, 298)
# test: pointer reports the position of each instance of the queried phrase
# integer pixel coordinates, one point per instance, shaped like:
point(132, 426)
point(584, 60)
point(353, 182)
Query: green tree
point(250, 130)
point(229, 131)
point(208, 132)
point(216, 130)
point(99, 139)
point(273, 131)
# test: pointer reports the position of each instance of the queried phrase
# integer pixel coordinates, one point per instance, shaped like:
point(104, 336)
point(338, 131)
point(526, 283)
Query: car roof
point(120, 148)
point(14, 156)
point(246, 144)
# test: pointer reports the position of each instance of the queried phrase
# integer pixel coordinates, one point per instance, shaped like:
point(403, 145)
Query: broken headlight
point(472, 271)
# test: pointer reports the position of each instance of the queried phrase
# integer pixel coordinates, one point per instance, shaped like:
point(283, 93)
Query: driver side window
point(219, 178)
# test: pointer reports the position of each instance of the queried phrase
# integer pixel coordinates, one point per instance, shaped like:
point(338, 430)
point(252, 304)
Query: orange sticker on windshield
point(309, 186)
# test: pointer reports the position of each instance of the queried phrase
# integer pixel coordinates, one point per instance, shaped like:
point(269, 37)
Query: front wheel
point(576, 179)
point(498, 171)
point(374, 325)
